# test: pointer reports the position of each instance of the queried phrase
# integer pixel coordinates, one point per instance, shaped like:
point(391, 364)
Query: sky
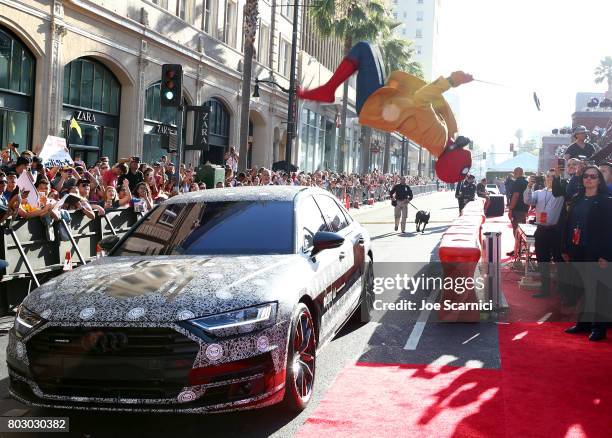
point(550, 47)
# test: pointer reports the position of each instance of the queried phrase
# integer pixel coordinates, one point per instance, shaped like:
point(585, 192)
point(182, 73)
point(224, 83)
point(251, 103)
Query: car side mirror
point(325, 240)
point(108, 242)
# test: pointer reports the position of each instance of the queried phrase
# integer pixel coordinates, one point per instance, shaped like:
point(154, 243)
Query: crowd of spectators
point(133, 183)
point(572, 209)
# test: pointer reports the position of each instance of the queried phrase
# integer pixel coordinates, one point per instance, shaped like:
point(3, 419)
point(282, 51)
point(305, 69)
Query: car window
point(332, 213)
point(349, 219)
point(197, 228)
point(311, 221)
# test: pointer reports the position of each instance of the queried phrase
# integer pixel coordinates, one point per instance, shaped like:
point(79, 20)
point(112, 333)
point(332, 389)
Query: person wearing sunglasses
point(587, 243)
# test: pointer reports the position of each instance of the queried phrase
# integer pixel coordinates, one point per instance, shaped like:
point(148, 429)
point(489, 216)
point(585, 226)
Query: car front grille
point(134, 363)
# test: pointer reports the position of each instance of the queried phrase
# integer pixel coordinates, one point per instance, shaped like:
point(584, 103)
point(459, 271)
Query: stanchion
point(493, 247)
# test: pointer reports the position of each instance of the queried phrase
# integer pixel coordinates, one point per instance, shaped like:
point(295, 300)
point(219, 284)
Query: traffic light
point(484, 155)
point(471, 145)
point(511, 147)
point(171, 85)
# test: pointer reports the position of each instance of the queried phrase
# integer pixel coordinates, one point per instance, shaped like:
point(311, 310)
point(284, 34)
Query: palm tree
point(251, 15)
point(349, 21)
point(397, 55)
point(603, 72)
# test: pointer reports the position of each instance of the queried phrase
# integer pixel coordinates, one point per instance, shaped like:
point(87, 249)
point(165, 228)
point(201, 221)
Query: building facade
point(100, 63)
point(419, 23)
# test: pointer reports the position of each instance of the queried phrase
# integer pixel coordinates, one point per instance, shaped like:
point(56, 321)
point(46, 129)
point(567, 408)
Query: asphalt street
point(411, 337)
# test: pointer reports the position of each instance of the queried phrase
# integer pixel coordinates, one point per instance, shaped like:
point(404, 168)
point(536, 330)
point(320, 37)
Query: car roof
point(248, 193)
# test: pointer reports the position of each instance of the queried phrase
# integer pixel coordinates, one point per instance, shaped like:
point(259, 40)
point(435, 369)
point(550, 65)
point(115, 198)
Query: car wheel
point(301, 360)
point(367, 293)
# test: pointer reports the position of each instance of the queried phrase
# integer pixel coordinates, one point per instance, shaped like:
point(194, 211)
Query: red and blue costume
point(404, 103)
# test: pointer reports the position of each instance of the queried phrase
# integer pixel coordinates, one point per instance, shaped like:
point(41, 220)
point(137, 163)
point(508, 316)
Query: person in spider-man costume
point(405, 104)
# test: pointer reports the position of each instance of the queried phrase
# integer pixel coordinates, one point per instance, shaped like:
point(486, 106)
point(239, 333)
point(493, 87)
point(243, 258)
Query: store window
point(159, 126)
point(317, 142)
point(92, 96)
point(218, 138)
point(284, 58)
point(263, 47)
point(16, 91)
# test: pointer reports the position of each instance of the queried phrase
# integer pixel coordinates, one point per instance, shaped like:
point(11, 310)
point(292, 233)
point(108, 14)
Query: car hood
point(164, 289)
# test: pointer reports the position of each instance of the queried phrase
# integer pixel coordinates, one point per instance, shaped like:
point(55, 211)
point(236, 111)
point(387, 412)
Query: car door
point(325, 267)
point(346, 288)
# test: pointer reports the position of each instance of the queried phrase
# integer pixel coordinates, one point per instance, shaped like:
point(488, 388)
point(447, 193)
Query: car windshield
point(240, 227)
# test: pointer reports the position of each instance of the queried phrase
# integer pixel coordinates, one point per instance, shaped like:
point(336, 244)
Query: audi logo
point(104, 342)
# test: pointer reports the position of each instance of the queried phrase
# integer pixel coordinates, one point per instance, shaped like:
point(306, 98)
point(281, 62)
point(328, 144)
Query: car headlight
point(26, 321)
point(238, 321)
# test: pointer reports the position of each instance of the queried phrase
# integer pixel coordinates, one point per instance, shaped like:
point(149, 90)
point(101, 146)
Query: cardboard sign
point(25, 182)
point(54, 153)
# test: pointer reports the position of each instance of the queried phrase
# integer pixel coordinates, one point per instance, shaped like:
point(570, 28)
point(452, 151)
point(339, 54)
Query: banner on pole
point(202, 131)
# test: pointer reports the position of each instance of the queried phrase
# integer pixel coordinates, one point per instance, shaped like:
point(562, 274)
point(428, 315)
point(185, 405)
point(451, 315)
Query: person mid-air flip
point(405, 104)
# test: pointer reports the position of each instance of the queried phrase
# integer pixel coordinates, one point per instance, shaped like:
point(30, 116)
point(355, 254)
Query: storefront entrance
point(16, 91)
point(91, 97)
point(218, 138)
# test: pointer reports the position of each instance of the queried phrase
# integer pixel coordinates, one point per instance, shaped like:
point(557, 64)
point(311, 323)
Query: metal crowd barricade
point(35, 249)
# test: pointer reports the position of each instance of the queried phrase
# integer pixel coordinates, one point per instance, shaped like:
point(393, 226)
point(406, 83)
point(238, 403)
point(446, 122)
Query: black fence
point(37, 250)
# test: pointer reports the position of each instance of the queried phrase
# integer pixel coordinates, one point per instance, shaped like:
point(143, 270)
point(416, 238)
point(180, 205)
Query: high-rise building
point(419, 23)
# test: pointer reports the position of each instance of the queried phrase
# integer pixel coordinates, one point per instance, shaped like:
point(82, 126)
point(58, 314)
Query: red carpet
point(369, 400)
point(524, 308)
point(550, 384)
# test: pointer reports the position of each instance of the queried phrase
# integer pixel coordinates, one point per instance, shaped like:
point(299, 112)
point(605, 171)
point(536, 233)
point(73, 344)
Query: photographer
point(548, 235)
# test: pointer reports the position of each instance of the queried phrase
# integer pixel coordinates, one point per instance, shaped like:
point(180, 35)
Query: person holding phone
point(548, 234)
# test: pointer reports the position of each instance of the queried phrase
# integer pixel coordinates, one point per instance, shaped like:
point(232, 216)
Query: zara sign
point(85, 116)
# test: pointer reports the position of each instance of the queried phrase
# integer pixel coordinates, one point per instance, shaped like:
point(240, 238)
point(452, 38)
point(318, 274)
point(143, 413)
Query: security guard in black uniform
point(401, 195)
point(465, 192)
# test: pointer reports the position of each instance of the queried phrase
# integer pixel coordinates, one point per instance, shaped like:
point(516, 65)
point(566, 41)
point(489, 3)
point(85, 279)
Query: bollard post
point(493, 244)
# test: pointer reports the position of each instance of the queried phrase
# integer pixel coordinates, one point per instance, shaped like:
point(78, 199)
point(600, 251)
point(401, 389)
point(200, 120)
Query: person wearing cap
point(580, 147)
point(465, 192)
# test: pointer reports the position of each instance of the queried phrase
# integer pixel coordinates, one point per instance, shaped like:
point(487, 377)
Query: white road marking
point(419, 326)
point(473, 337)
point(15, 412)
point(443, 360)
point(544, 318)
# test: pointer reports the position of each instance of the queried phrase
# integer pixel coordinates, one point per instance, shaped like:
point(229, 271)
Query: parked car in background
point(492, 189)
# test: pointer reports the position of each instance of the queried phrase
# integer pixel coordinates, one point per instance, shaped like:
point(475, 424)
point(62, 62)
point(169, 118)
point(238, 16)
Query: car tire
point(301, 360)
point(367, 292)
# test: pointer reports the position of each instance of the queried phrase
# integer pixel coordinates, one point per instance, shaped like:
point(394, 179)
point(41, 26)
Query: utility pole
point(292, 89)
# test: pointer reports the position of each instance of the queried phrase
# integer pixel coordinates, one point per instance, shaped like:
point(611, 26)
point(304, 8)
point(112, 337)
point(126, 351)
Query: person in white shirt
point(548, 234)
point(231, 159)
